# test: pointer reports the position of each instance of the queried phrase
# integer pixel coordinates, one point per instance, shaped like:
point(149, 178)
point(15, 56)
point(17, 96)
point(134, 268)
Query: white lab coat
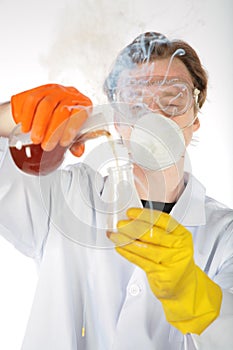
point(83, 282)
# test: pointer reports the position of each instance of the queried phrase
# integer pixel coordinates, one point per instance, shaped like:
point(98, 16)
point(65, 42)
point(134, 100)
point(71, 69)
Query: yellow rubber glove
point(46, 111)
point(164, 250)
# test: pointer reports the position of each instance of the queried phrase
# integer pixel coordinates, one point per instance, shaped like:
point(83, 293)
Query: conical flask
point(32, 159)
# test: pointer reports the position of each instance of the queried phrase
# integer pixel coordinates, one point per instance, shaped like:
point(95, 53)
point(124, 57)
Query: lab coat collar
point(190, 208)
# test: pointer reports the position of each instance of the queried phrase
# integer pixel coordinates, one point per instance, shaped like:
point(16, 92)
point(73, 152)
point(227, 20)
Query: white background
point(75, 42)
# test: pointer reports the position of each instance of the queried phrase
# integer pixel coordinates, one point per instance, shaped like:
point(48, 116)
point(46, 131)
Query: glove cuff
point(13, 112)
point(197, 307)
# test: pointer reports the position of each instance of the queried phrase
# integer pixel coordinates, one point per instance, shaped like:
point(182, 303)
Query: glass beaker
point(121, 194)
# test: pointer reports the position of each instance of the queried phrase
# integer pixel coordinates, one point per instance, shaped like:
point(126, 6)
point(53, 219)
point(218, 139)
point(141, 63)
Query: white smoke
point(75, 41)
point(90, 34)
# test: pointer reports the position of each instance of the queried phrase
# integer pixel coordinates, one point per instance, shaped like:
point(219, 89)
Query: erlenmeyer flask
point(33, 160)
point(152, 141)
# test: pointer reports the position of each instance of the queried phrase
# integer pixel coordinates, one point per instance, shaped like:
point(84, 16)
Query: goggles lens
point(173, 97)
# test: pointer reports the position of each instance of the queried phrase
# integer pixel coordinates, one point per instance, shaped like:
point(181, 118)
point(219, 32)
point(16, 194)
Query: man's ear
point(196, 124)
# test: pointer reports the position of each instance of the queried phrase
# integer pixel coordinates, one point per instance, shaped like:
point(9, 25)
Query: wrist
point(7, 122)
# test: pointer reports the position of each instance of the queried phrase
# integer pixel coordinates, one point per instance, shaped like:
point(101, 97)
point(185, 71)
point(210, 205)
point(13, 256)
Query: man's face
point(163, 87)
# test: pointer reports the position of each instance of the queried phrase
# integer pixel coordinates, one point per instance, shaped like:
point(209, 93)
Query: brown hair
point(150, 46)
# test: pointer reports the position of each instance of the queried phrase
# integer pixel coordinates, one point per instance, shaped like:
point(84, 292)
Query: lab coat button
point(134, 290)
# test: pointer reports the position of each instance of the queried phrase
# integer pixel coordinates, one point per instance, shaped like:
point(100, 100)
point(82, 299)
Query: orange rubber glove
point(164, 250)
point(46, 111)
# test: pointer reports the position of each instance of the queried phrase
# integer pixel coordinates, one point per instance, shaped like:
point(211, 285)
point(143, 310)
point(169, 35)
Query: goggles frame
point(165, 93)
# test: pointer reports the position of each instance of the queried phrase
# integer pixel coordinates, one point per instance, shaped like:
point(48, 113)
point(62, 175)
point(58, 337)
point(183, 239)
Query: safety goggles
point(171, 96)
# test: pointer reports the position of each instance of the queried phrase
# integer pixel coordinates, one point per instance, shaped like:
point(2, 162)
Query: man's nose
point(153, 104)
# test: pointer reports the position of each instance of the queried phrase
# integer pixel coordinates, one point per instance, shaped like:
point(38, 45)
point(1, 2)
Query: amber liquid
point(32, 159)
point(92, 135)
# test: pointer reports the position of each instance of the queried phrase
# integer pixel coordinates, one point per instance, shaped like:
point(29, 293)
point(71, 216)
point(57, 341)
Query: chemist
point(168, 282)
